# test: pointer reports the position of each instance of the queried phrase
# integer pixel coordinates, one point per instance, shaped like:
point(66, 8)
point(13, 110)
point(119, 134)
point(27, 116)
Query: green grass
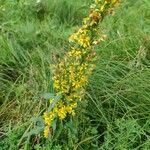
point(116, 112)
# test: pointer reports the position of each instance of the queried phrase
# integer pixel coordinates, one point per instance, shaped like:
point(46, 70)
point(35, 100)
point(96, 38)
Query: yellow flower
point(74, 105)
point(48, 118)
point(69, 109)
point(46, 131)
point(73, 37)
point(71, 74)
point(84, 40)
point(62, 113)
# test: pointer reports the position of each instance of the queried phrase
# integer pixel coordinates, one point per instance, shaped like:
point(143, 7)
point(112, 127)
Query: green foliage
point(10, 140)
point(115, 113)
point(126, 134)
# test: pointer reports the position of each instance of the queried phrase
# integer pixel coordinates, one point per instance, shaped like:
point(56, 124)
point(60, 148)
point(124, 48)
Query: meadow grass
point(116, 110)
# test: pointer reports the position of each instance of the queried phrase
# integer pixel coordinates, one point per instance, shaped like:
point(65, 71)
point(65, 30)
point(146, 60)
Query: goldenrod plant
point(71, 74)
point(113, 111)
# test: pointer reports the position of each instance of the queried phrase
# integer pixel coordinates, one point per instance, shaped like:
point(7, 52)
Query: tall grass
point(117, 103)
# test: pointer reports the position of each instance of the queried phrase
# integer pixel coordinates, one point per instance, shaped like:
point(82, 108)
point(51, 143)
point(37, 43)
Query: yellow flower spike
point(48, 118)
point(71, 74)
point(46, 131)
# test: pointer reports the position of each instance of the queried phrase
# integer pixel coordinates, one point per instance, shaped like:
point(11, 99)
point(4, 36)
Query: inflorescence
point(71, 74)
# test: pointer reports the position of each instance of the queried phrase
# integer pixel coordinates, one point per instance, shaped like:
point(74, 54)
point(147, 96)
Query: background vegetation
point(116, 112)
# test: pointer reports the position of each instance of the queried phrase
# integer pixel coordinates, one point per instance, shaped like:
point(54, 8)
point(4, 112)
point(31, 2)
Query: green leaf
point(56, 100)
point(94, 130)
point(34, 131)
point(38, 121)
point(48, 96)
point(54, 125)
point(58, 131)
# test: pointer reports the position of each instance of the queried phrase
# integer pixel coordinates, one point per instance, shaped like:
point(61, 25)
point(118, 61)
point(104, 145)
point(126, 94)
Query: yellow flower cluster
point(48, 118)
point(70, 76)
point(81, 37)
point(61, 110)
